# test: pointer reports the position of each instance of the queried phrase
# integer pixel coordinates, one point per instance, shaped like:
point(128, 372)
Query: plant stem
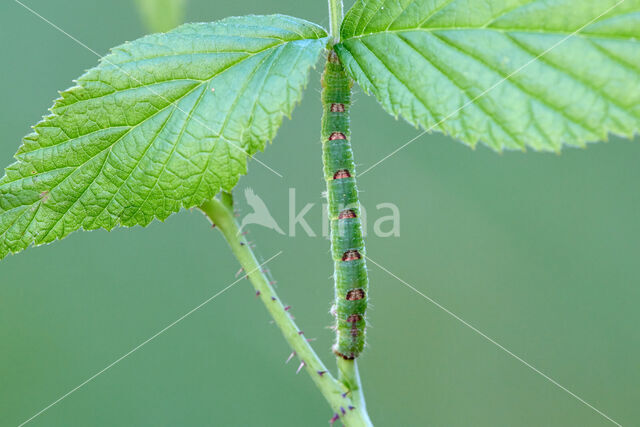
point(335, 19)
point(220, 213)
point(350, 377)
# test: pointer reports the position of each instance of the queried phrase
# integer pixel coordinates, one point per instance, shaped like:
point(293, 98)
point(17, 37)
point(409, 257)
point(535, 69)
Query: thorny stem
point(340, 398)
point(350, 377)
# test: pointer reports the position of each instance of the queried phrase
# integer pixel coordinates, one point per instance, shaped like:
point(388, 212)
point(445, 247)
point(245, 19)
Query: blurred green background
point(539, 251)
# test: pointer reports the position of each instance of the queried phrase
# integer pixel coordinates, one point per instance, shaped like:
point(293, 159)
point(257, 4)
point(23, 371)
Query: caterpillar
point(347, 244)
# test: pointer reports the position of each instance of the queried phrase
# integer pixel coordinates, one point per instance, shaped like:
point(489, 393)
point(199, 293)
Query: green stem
point(350, 377)
point(335, 19)
point(220, 213)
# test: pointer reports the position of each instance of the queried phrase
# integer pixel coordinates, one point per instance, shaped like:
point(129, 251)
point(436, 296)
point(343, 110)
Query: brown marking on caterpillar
point(333, 57)
point(355, 294)
point(337, 108)
point(342, 173)
point(344, 356)
point(355, 332)
point(347, 213)
point(336, 135)
point(354, 318)
point(351, 255)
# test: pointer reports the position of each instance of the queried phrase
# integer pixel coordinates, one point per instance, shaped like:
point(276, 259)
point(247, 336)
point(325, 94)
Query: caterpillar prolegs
point(347, 245)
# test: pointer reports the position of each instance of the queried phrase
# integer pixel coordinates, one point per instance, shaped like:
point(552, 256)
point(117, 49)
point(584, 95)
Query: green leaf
point(468, 67)
point(161, 123)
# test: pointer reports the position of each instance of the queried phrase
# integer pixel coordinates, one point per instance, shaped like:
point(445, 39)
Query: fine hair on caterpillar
point(343, 212)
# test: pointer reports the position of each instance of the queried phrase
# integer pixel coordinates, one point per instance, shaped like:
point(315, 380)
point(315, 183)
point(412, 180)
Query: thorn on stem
point(333, 419)
point(351, 408)
point(300, 332)
point(321, 373)
point(302, 364)
point(287, 308)
point(273, 298)
point(257, 293)
point(293, 353)
point(342, 410)
point(239, 271)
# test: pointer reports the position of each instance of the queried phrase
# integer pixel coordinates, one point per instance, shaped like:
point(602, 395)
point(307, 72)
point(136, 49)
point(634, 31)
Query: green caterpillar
point(347, 245)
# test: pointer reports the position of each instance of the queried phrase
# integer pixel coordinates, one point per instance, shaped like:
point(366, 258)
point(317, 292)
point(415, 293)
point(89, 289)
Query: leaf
point(161, 123)
point(511, 73)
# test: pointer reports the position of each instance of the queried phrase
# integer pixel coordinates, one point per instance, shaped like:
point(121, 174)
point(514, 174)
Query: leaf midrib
point(498, 30)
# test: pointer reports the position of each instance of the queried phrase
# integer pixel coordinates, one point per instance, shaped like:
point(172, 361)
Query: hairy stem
point(220, 213)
